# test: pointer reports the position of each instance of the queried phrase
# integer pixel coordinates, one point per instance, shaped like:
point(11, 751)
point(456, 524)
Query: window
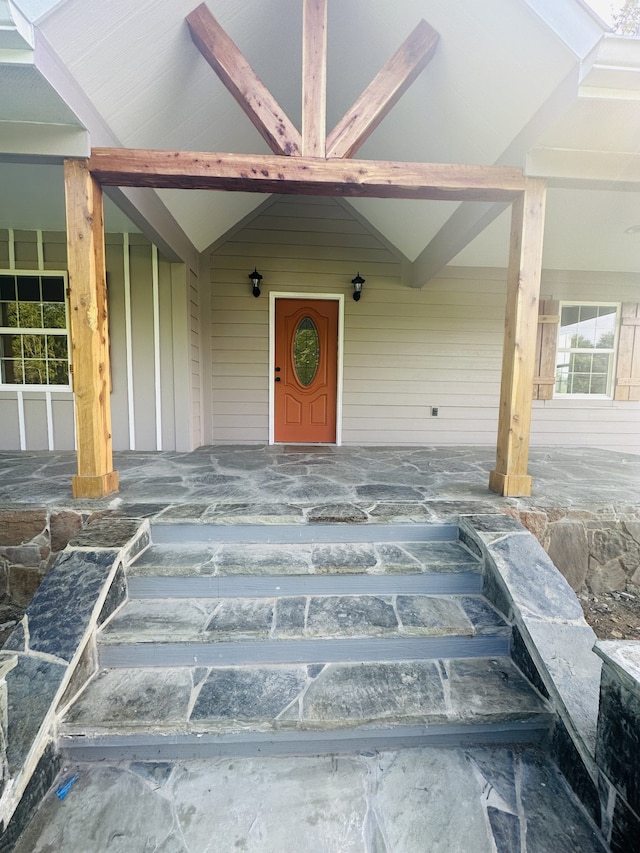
point(34, 342)
point(585, 352)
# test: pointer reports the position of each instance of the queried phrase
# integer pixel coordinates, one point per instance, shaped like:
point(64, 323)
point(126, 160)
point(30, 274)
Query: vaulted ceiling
point(532, 83)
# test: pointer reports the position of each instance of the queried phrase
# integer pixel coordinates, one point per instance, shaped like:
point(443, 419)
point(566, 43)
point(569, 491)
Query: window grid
point(34, 339)
point(586, 349)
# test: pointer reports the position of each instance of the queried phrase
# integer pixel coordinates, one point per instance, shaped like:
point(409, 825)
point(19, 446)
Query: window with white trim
point(34, 338)
point(586, 348)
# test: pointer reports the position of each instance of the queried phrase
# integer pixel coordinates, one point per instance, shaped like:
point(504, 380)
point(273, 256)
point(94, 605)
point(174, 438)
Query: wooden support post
point(510, 476)
point(89, 332)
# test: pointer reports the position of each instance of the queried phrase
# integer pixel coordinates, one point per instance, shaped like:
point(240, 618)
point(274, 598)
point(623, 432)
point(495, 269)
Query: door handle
point(277, 379)
point(277, 370)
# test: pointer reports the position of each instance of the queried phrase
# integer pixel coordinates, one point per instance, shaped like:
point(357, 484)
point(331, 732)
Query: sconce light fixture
point(357, 283)
point(256, 278)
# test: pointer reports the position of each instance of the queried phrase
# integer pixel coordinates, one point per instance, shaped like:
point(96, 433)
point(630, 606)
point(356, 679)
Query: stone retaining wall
point(595, 551)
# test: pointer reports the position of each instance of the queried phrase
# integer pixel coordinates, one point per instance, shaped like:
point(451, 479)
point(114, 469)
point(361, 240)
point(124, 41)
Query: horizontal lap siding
point(405, 350)
point(408, 351)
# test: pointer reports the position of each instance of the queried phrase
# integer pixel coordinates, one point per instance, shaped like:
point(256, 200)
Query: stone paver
point(413, 801)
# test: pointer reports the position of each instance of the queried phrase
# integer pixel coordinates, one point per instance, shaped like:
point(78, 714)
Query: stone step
point(303, 559)
point(302, 709)
point(301, 617)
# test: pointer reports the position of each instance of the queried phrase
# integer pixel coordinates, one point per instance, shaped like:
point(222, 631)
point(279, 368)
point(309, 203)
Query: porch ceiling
point(495, 87)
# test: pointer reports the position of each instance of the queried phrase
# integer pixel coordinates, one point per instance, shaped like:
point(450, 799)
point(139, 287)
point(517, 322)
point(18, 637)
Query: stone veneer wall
point(30, 540)
point(596, 551)
point(618, 745)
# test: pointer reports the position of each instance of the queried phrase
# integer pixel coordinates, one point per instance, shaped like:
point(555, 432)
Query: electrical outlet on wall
point(434, 411)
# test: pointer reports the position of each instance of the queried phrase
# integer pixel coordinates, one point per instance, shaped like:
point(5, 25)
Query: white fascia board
point(31, 139)
point(16, 32)
point(12, 56)
point(570, 168)
point(142, 205)
point(573, 23)
point(612, 69)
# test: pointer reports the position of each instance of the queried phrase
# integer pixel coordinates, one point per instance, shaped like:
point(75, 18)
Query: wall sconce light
point(357, 283)
point(256, 278)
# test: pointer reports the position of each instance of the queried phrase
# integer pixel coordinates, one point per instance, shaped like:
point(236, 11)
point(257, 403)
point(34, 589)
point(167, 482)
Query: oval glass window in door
point(306, 351)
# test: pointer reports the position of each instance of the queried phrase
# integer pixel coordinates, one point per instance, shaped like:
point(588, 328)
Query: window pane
point(581, 363)
point(58, 373)
point(7, 287)
point(600, 364)
point(306, 351)
point(8, 314)
point(56, 346)
point(54, 315)
point(579, 383)
point(30, 315)
point(598, 384)
point(28, 288)
point(35, 371)
point(11, 346)
point(11, 371)
point(34, 346)
point(52, 289)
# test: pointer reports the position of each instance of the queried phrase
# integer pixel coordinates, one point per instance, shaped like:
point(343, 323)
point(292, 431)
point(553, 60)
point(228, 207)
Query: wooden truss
point(306, 162)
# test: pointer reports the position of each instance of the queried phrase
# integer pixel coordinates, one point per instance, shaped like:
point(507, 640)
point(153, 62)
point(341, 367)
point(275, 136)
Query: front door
point(306, 370)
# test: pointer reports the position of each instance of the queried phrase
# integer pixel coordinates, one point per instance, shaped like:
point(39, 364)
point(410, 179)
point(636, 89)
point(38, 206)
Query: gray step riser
point(285, 534)
point(349, 650)
point(273, 586)
point(252, 744)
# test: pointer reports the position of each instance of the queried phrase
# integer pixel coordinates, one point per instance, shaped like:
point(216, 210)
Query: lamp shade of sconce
point(357, 283)
point(255, 278)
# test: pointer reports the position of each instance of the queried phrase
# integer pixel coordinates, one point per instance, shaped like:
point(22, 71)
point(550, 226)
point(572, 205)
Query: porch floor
point(482, 799)
point(290, 483)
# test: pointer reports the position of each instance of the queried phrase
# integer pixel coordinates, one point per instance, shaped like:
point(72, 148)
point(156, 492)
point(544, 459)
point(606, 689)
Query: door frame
point(336, 297)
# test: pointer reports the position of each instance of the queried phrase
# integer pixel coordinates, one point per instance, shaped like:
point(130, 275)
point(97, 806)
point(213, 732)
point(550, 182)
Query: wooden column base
point(95, 487)
point(510, 485)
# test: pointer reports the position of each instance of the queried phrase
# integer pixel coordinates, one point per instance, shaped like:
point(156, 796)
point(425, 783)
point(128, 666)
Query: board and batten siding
point(406, 351)
point(149, 347)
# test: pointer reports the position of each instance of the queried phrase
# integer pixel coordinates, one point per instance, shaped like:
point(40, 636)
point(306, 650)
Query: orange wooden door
point(306, 370)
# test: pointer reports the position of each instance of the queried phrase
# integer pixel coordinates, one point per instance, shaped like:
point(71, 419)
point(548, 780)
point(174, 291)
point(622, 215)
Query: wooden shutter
point(545, 364)
point(628, 370)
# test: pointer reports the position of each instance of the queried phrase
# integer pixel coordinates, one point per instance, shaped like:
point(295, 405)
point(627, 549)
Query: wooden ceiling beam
point(304, 175)
point(314, 78)
point(383, 92)
point(223, 55)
